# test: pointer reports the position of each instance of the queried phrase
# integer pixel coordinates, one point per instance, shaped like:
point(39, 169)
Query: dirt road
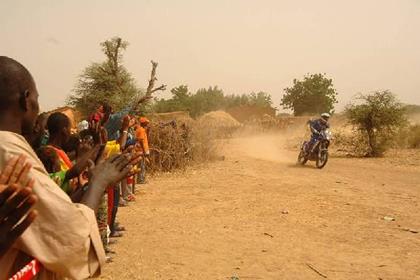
point(256, 215)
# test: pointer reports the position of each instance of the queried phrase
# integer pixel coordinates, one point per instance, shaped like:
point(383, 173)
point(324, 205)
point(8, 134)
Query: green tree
point(260, 99)
point(203, 101)
point(378, 116)
point(107, 81)
point(209, 99)
point(180, 101)
point(206, 100)
point(181, 98)
point(315, 94)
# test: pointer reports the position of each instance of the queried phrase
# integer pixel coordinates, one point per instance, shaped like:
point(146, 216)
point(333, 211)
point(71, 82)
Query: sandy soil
point(256, 215)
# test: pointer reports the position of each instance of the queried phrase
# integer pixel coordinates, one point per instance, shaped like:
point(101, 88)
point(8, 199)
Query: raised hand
point(115, 168)
point(108, 173)
point(16, 171)
point(15, 205)
point(126, 123)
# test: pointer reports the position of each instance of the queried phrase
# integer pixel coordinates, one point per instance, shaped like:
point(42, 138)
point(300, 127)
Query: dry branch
point(175, 146)
point(151, 87)
point(316, 271)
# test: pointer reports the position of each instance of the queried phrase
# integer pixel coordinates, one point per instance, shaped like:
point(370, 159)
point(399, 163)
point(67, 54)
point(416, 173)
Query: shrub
point(409, 137)
point(414, 137)
point(353, 145)
point(176, 145)
point(378, 117)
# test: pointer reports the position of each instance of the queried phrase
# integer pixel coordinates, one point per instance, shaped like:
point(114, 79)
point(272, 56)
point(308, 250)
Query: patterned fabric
point(65, 162)
point(102, 218)
point(57, 168)
point(142, 174)
point(115, 205)
point(60, 179)
point(28, 272)
point(110, 203)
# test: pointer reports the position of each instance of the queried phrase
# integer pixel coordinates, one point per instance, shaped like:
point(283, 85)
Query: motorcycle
point(318, 152)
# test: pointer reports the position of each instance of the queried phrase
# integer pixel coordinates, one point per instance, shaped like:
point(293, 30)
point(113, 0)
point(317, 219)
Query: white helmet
point(325, 116)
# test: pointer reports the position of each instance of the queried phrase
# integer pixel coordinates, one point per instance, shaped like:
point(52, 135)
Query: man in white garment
point(64, 238)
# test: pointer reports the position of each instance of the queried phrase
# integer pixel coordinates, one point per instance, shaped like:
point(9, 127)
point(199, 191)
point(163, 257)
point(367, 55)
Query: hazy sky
point(240, 45)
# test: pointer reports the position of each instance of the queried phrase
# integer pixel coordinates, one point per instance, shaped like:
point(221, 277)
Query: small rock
point(410, 230)
point(285, 212)
point(389, 219)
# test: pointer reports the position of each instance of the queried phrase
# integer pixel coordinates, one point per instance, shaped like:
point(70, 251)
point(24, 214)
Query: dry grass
point(409, 137)
point(349, 144)
point(170, 146)
point(177, 146)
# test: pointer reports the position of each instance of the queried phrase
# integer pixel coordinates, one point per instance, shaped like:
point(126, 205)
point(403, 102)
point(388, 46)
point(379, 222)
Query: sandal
point(109, 251)
point(112, 242)
point(130, 198)
point(116, 234)
point(119, 228)
point(122, 203)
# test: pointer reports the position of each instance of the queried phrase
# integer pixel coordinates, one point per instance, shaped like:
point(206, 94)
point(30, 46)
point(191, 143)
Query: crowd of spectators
point(60, 188)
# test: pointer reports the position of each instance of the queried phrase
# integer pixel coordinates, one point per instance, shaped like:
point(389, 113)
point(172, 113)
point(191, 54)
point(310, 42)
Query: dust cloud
point(275, 147)
point(414, 118)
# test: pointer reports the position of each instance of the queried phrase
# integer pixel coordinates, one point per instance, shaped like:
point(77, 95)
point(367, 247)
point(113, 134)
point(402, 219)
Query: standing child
point(143, 141)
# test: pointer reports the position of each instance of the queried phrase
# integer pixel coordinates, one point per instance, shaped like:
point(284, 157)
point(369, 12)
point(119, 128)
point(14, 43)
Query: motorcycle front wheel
point(301, 158)
point(322, 159)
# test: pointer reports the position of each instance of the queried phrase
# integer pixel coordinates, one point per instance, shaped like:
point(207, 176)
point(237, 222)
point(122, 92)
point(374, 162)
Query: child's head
point(49, 158)
point(72, 144)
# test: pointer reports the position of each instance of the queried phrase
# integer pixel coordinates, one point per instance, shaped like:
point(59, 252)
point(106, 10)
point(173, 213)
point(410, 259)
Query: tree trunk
point(372, 143)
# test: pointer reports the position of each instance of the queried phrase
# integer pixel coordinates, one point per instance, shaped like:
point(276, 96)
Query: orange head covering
point(144, 120)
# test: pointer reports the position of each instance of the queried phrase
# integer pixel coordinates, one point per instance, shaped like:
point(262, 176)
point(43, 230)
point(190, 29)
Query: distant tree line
point(412, 109)
point(209, 99)
point(109, 81)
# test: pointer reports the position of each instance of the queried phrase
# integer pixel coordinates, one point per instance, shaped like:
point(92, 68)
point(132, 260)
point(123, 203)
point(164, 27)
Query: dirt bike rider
point(316, 127)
